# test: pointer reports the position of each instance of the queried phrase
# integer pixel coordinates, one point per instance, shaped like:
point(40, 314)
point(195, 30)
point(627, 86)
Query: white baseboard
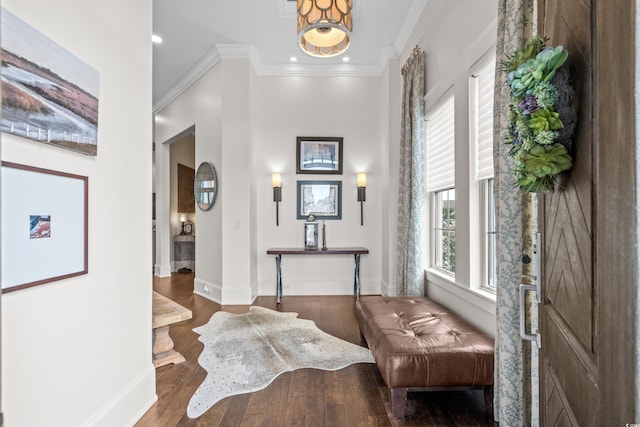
point(162, 270)
point(208, 290)
point(127, 406)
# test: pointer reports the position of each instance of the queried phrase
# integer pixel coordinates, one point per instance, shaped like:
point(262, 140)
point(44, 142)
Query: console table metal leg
point(278, 278)
point(356, 281)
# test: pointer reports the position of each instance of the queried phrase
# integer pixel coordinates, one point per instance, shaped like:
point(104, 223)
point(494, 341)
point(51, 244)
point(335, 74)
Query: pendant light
point(324, 27)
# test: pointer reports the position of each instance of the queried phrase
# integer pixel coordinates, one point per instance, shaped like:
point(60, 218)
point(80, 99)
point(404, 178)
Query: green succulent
point(541, 68)
point(547, 160)
point(545, 119)
point(546, 137)
point(546, 94)
point(530, 50)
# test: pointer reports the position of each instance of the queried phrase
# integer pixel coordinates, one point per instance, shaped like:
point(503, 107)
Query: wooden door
point(588, 228)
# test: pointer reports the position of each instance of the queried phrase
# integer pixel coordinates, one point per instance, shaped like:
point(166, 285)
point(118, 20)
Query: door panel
point(568, 315)
point(590, 253)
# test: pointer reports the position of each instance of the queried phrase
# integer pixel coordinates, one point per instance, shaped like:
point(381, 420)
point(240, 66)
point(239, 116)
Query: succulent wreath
point(541, 114)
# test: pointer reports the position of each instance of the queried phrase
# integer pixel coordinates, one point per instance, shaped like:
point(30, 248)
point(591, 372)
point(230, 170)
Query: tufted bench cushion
point(419, 344)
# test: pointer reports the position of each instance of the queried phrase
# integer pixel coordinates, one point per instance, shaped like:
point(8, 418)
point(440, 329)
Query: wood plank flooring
point(354, 396)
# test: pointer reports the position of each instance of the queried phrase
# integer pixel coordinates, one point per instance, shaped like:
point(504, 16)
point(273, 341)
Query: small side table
point(184, 252)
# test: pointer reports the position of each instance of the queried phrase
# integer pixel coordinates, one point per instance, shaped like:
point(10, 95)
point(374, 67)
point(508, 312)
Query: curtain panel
point(409, 251)
point(514, 216)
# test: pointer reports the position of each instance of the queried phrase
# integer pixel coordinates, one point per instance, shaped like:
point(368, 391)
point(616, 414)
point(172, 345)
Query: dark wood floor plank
point(353, 396)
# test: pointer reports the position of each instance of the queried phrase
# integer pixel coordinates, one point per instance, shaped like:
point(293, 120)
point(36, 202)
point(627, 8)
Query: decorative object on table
point(44, 226)
point(324, 236)
point(324, 27)
point(244, 353)
point(205, 186)
point(542, 117)
point(187, 226)
point(361, 180)
point(48, 94)
point(319, 155)
point(186, 196)
point(276, 183)
point(320, 198)
point(311, 233)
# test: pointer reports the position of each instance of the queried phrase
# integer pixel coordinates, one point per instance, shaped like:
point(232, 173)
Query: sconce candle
point(361, 180)
point(276, 183)
point(324, 236)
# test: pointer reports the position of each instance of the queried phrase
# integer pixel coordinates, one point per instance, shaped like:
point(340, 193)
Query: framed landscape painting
point(319, 155)
point(48, 94)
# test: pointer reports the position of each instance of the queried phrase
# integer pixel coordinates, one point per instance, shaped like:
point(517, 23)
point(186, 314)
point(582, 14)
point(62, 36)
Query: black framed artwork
point(323, 199)
point(319, 155)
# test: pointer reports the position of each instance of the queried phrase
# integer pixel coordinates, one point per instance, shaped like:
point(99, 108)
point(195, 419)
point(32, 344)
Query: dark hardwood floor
point(354, 396)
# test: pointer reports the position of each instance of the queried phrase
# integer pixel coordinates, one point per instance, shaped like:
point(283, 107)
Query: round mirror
point(205, 186)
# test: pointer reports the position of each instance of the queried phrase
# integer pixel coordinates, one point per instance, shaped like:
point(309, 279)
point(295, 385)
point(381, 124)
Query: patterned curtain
point(513, 217)
point(410, 271)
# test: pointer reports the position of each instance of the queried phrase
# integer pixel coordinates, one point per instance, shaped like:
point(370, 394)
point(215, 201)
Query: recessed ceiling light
point(345, 59)
point(293, 59)
point(156, 39)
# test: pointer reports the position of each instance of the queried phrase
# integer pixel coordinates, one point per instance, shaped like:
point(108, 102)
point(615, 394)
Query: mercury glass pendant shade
point(324, 27)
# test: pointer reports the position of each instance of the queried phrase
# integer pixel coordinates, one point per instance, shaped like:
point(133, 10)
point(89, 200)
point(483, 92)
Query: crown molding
point(229, 51)
point(211, 58)
point(415, 12)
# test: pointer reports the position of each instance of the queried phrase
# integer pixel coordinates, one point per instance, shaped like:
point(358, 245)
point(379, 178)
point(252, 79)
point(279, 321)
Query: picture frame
point(323, 199)
point(45, 223)
point(64, 113)
point(319, 155)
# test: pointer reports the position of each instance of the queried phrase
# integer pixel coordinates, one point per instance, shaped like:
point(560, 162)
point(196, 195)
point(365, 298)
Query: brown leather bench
point(419, 345)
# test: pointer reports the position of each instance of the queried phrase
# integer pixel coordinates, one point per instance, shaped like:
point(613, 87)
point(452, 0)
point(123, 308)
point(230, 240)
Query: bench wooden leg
point(488, 401)
point(398, 401)
point(163, 352)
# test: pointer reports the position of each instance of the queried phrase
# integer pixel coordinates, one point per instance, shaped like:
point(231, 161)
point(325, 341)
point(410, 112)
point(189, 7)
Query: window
point(481, 85)
point(440, 152)
point(444, 230)
point(489, 236)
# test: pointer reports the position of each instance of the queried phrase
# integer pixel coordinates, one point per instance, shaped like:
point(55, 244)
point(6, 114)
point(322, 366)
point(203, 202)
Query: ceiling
point(197, 33)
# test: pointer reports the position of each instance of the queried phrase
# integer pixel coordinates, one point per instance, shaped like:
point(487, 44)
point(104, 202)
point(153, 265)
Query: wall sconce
point(362, 196)
point(276, 183)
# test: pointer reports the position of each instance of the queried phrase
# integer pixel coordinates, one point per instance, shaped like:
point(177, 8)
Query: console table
point(184, 252)
point(278, 252)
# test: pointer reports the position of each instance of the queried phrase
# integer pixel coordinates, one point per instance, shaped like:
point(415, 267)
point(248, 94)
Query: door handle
point(536, 287)
point(523, 315)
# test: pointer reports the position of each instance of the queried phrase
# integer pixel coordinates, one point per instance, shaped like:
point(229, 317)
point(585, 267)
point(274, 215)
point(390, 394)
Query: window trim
point(436, 239)
point(487, 227)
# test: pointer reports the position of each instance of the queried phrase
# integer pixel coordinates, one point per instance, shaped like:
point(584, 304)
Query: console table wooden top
point(319, 251)
point(356, 252)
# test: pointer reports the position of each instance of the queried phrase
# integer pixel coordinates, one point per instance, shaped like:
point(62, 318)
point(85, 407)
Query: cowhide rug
point(246, 352)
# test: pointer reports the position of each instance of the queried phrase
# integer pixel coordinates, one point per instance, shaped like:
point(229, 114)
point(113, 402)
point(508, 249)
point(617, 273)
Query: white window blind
point(441, 146)
point(482, 116)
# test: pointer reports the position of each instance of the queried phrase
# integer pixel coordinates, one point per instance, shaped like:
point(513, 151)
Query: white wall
point(78, 351)
point(200, 107)
point(450, 53)
point(256, 121)
point(349, 107)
